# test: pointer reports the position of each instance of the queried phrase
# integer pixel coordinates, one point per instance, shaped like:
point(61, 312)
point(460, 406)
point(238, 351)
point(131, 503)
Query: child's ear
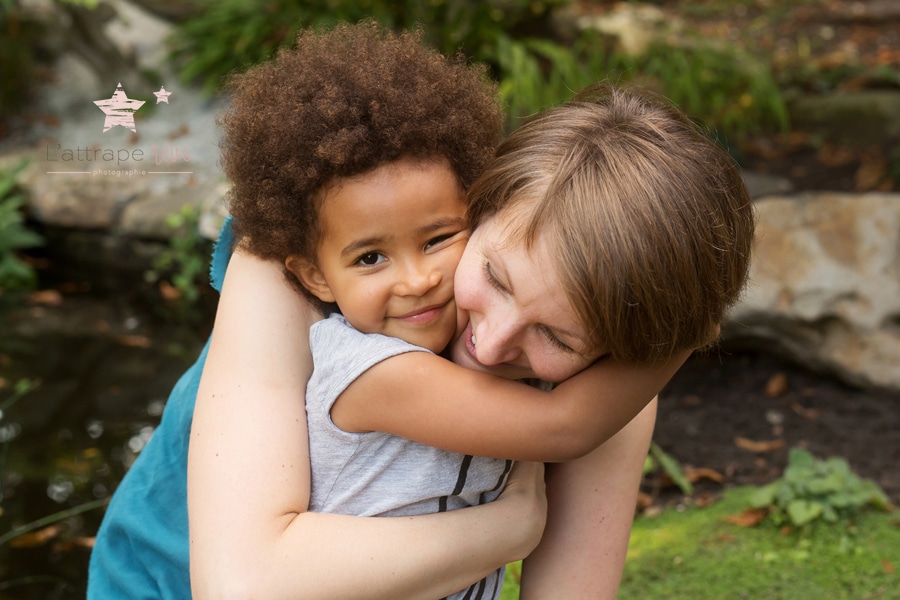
point(310, 277)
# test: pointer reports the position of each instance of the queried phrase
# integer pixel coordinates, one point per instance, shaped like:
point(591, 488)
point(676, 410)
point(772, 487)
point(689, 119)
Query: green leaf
point(802, 512)
point(672, 468)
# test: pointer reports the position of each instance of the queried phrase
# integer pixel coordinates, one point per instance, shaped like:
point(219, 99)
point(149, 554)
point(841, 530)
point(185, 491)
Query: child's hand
point(525, 495)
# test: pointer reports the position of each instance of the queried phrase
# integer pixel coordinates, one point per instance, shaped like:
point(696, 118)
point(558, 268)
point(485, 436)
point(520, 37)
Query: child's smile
point(390, 243)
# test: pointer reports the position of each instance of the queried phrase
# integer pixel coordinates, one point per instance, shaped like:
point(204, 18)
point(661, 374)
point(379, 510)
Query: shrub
point(812, 489)
point(14, 235)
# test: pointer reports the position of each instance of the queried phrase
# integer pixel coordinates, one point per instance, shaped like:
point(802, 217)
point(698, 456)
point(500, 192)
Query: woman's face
point(520, 322)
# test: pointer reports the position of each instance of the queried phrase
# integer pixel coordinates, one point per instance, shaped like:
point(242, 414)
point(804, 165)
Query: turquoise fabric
point(142, 545)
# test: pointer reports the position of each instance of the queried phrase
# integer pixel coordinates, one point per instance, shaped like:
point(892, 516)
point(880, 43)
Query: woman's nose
point(496, 341)
point(416, 278)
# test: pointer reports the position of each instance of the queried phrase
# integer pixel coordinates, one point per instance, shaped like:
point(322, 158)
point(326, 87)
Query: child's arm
point(592, 502)
point(248, 478)
point(428, 399)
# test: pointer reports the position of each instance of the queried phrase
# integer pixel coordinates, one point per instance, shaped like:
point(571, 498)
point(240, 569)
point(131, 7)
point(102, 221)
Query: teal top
point(142, 546)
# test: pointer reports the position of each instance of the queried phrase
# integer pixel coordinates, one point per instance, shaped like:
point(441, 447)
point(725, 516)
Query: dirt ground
point(740, 414)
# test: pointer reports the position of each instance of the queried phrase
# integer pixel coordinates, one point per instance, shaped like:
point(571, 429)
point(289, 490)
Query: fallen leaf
point(887, 566)
point(694, 474)
point(644, 501)
point(871, 171)
point(691, 400)
point(169, 291)
point(807, 413)
point(777, 385)
point(46, 297)
point(705, 499)
point(134, 341)
point(835, 156)
point(758, 445)
point(35, 538)
point(749, 518)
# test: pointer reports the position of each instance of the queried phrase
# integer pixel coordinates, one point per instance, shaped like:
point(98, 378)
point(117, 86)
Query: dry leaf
point(46, 297)
point(807, 413)
point(834, 156)
point(35, 538)
point(869, 174)
point(758, 445)
point(696, 474)
point(644, 501)
point(691, 400)
point(749, 518)
point(887, 566)
point(135, 341)
point(777, 385)
point(168, 291)
point(705, 499)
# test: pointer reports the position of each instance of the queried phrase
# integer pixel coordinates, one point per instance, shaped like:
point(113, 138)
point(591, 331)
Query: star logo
point(119, 110)
point(162, 95)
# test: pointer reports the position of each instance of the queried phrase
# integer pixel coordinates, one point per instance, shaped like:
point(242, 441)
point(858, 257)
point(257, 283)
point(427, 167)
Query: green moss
point(697, 554)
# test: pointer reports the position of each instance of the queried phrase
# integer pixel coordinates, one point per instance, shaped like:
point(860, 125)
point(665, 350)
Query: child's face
point(521, 324)
point(391, 240)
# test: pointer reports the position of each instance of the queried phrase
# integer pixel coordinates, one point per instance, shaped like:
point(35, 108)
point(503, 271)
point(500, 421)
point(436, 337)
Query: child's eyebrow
point(359, 245)
point(442, 223)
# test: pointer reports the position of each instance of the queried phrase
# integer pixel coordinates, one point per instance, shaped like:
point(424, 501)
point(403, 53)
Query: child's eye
point(370, 258)
point(438, 240)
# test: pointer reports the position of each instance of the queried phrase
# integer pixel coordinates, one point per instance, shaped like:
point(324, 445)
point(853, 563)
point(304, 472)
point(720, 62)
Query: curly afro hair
point(338, 104)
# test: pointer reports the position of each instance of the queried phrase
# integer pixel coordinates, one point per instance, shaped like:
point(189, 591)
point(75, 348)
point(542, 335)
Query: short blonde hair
point(650, 220)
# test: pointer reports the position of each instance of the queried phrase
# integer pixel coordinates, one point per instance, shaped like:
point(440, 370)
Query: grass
point(695, 554)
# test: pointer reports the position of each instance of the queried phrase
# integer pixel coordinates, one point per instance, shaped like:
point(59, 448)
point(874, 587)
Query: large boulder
point(825, 285)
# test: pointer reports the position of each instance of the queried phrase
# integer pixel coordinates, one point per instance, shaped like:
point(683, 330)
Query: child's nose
point(417, 279)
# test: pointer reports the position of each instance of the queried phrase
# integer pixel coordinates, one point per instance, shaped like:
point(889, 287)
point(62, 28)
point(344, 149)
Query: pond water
point(85, 368)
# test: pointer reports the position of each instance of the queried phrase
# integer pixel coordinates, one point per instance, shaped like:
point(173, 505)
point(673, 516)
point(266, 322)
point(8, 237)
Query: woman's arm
point(425, 398)
point(592, 502)
point(248, 477)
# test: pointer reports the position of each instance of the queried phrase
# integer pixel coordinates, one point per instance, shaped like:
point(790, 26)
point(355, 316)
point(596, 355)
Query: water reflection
point(101, 372)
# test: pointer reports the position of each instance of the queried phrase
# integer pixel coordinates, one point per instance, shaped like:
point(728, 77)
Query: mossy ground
point(696, 554)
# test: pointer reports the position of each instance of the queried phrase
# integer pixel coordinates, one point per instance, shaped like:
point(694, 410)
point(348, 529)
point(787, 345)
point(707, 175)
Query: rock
point(760, 184)
point(633, 25)
point(860, 118)
point(825, 286)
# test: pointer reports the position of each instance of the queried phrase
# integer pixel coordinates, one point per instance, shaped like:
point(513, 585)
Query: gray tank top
point(379, 474)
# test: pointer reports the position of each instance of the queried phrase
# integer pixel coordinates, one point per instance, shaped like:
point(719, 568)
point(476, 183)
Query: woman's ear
point(310, 277)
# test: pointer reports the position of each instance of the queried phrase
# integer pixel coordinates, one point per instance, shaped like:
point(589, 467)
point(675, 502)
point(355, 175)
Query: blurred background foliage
point(536, 64)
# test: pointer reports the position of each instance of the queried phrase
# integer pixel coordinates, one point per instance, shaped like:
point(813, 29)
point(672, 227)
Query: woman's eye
point(492, 280)
point(555, 341)
point(369, 259)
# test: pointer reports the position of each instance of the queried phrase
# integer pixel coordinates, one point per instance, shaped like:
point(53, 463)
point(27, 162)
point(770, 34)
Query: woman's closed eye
point(492, 279)
point(555, 341)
